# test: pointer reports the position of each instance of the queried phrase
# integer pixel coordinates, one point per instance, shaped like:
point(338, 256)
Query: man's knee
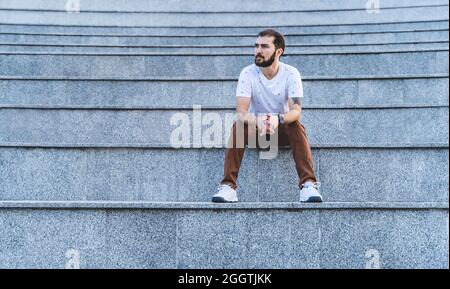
point(294, 127)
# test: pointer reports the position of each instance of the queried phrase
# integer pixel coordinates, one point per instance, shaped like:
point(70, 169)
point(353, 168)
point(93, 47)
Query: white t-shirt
point(270, 96)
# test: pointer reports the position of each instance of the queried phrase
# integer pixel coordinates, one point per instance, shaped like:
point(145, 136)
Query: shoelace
point(314, 185)
point(220, 186)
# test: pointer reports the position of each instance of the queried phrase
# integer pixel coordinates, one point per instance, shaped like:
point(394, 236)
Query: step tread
point(296, 18)
point(237, 10)
point(241, 34)
point(205, 31)
point(208, 205)
point(437, 145)
point(387, 51)
point(222, 45)
point(223, 26)
point(210, 107)
point(186, 78)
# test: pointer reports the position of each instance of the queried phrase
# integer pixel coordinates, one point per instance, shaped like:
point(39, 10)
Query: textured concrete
point(360, 175)
point(201, 67)
point(41, 238)
point(87, 178)
point(391, 181)
point(219, 93)
point(311, 39)
point(318, 93)
point(342, 249)
point(426, 249)
point(205, 5)
point(228, 50)
point(356, 127)
point(237, 31)
point(103, 239)
point(301, 238)
point(155, 175)
point(259, 206)
point(227, 19)
point(140, 239)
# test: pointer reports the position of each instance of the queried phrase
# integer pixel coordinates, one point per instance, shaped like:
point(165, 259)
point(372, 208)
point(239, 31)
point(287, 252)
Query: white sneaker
point(310, 193)
point(226, 194)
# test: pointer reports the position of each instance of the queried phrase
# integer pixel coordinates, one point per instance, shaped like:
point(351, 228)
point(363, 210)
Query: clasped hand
point(267, 124)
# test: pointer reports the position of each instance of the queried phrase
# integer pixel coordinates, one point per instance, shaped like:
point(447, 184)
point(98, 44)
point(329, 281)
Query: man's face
point(265, 53)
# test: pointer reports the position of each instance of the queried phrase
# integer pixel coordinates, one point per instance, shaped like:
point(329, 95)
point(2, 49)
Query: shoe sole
point(313, 200)
point(221, 200)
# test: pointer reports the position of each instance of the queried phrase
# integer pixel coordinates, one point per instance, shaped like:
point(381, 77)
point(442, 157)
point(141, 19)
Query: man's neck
point(271, 71)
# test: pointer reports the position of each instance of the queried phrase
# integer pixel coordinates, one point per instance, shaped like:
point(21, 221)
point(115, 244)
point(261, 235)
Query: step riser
point(229, 40)
point(348, 175)
point(218, 66)
point(229, 19)
point(229, 239)
point(333, 93)
point(231, 5)
point(321, 29)
point(234, 50)
point(366, 127)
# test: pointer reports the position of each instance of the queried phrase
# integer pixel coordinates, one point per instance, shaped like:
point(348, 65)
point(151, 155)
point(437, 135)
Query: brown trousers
point(292, 134)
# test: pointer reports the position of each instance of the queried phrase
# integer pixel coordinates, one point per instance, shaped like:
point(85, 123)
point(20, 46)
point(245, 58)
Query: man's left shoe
point(225, 194)
point(310, 193)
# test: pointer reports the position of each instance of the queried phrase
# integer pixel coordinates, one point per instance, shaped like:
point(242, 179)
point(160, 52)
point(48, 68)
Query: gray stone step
point(213, 49)
point(143, 235)
point(304, 40)
point(188, 32)
point(89, 176)
point(208, 6)
point(160, 128)
point(141, 66)
point(187, 175)
point(226, 19)
point(356, 92)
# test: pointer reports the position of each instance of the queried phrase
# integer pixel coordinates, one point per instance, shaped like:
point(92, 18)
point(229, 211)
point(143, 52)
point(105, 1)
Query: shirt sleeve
point(295, 86)
point(244, 87)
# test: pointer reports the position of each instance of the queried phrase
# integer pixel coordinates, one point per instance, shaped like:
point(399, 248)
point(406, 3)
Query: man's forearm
point(291, 116)
point(247, 117)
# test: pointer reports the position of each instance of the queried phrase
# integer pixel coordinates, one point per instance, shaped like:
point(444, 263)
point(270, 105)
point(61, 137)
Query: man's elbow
point(297, 111)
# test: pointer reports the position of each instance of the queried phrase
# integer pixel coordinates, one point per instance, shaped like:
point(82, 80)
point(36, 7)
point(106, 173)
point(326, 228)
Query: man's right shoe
point(225, 194)
point(310, 193)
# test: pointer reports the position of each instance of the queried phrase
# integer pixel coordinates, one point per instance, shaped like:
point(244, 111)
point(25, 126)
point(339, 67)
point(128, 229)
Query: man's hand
point(267, 124)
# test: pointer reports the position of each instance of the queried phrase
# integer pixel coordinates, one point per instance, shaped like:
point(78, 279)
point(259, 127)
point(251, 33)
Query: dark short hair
point(279, 38)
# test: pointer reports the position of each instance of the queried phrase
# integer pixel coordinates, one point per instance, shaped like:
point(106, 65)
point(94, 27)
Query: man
point(268, 99)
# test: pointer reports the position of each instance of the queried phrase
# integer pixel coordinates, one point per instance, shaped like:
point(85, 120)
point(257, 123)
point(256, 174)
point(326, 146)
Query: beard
point(265, 63)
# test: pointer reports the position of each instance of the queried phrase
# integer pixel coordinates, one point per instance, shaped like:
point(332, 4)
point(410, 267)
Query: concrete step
point(148, 235)
point(89, 101)
point(392, 90)
point(188, 32)
point(162, 128)
point(439, 12)
point(291, 40)
point(207, 6)
point(141, 66)
point(214, 49)
point(186, 175)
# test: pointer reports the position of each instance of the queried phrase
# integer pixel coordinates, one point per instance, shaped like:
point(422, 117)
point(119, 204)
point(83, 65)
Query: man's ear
point(281, 51)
